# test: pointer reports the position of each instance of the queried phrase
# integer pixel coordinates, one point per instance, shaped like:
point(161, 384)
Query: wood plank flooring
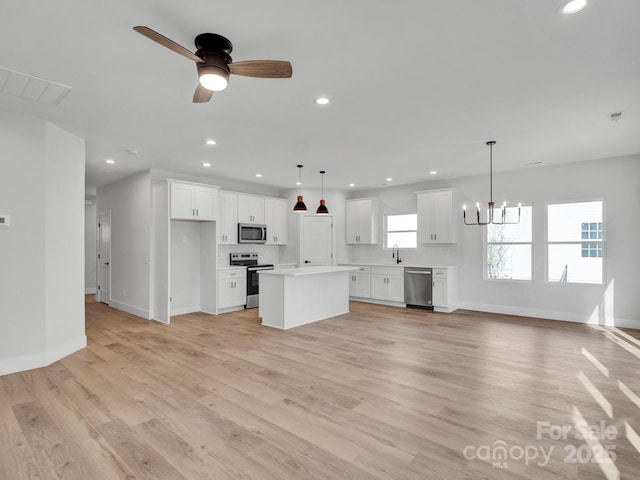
point(381, 393)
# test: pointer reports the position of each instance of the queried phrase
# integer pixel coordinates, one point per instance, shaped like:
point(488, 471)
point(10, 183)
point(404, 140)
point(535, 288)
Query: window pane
point(567, 221)
point(509, 261)
point(402, 239)
point(402, 222)
point(568, 264)
point(519, 232)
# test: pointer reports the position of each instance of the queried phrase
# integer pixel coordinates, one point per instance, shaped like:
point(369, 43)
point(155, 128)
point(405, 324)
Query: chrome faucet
point(396, 253)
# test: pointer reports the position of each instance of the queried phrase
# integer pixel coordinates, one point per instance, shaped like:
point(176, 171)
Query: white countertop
point(292, 272)
point(401, 264)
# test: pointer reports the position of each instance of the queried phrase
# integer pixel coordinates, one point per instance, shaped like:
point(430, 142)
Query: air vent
point(615, 116)
point(31, 88)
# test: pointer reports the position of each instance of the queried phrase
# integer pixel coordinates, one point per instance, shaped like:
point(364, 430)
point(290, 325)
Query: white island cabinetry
point(290, 297)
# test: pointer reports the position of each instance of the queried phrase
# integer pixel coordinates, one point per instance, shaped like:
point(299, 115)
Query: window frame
point(486, 243)
point(603, 241)
point(386, 230)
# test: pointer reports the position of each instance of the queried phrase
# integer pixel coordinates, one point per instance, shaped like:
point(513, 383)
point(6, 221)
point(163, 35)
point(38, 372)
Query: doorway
point(103, 294)
point(317, 240)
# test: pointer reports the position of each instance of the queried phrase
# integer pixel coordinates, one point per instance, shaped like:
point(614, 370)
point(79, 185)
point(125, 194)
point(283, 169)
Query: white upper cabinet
point(227, 226)
point(438, 221)
point(190, 201)
point(362, 221)
point(250, 209)
point(276, 214)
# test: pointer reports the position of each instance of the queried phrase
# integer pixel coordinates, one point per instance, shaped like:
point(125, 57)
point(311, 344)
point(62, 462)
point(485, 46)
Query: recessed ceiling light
point(573, 6)
point(433, 172)
point(615, 116)
point(110, 161)
point(298, 183)
point(389, 179)
point(210, 141)
point(259, 175)
point(206, 164)
point(322, 100)
point(352, 184)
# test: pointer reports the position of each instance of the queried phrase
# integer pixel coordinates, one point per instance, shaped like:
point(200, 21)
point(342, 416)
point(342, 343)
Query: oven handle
point(252, 269)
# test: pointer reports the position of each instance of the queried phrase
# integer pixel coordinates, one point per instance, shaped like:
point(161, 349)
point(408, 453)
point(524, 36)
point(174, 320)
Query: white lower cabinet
point(387, 283)
point(232, 288)
point(445, 289)
point(360, 283)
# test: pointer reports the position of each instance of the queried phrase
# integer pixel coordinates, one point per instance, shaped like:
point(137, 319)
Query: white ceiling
point(416, 85)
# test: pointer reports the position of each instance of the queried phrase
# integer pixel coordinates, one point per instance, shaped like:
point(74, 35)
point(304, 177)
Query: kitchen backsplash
point(436, 254)
point(266, 253)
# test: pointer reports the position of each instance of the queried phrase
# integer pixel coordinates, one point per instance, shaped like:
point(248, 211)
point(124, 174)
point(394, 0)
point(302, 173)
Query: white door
point(317, 240)
point(104, 257)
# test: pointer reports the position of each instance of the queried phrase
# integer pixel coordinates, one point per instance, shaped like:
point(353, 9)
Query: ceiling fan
point(214, 63)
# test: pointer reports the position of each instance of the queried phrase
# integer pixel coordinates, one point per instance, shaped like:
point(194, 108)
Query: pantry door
point(317, 240)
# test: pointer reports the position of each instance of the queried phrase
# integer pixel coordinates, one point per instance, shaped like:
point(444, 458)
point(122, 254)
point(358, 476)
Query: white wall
point(129, 201)
point(41, 252)
point(614, 180)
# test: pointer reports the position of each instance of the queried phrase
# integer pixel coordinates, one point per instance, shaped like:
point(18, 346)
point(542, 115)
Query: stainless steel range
point(250, 260)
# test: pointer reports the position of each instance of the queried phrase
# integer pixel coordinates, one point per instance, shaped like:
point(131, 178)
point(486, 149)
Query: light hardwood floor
point(379, 393)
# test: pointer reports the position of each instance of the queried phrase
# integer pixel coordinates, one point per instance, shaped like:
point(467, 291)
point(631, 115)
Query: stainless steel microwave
point(252, 233)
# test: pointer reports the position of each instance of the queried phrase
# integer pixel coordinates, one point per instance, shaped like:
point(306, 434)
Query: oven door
point(253, 286)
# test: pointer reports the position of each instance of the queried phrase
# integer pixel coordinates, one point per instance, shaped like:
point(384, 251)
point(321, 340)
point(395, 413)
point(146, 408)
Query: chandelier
point(491, 214)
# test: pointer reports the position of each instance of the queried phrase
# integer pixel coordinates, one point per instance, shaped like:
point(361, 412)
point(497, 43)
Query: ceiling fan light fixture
point(213, 78)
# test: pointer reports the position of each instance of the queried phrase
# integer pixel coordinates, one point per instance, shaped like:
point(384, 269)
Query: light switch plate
point(4, 220)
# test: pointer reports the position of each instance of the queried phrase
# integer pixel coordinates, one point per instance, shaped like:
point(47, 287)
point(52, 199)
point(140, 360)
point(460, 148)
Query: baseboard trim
point(185, 310)
point(549, 315)
point(138, 312)
point(378, 302)
point(42, 359)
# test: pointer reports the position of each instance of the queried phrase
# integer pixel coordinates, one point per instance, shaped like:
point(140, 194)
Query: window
point(575, 242)
point(509, 246)
point(402, 230)
point(592, 230)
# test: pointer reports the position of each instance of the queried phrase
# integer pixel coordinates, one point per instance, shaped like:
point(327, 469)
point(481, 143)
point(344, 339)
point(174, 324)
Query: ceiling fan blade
point(262, 68)
point(167, 42)
point(202, 95)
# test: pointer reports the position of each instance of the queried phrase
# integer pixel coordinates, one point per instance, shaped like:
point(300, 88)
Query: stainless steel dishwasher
point(418, 288)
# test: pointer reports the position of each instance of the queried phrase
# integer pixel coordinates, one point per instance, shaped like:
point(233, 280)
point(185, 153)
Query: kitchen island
point(290, 297)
